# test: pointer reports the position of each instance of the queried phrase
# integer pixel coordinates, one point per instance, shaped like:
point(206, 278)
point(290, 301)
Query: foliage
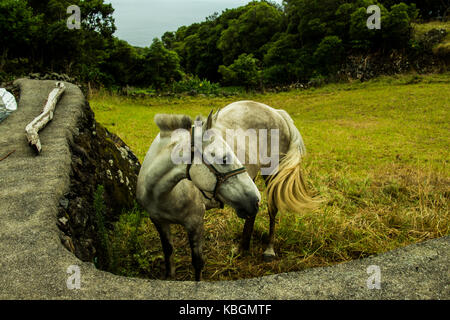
point(18, 27)
point(122, 63)
point(160, 66)
point(259, 43)
point(37, 34)
point(428, 9)
point(250, 31)
point(244, 71)
point(329, 53)
point(398, 24)
point(130, 256)
point(104, 261)
point(194, 85)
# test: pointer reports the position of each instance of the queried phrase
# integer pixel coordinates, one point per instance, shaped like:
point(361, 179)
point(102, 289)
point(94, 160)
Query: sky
point(139, 21)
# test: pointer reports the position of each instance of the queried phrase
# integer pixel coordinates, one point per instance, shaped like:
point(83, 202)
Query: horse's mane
point(171, 122)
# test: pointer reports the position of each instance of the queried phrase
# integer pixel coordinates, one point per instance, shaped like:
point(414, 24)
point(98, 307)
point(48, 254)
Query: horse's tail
point(287, 189)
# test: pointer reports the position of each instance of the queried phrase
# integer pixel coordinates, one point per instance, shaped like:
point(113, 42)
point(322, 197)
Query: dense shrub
point(194, 85)
point(329, 54)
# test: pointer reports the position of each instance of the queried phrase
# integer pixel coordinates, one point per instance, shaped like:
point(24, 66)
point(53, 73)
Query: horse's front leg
point(195, 234)
point(247, 233)
point(167, 245)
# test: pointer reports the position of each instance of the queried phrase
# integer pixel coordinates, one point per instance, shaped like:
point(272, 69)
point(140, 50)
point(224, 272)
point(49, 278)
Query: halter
point(220, 177)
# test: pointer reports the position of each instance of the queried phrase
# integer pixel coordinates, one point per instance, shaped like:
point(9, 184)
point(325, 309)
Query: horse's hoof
point(268, 257)
point(198, 276)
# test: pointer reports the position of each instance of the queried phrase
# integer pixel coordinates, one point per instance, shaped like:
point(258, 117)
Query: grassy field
point(378, 152)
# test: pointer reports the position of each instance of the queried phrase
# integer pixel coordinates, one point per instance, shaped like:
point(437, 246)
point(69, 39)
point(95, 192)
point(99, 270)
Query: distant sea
point(139, 21)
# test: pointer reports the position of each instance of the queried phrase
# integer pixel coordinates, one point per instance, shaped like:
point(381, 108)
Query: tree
point(168, 40)
point(81, 53)
point(160, 66)
point(329, 54)
point(398, 26)
point(312, 19)
point(281, 61)
point(255, 26)
point(122, 63)
point(97, 16)
point(429, 9)
point(244, 71)
point(18, 28)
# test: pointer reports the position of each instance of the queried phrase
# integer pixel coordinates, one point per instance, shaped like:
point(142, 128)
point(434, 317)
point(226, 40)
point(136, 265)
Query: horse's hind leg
point(167, 245)
point(269, 254)
point(195, 235)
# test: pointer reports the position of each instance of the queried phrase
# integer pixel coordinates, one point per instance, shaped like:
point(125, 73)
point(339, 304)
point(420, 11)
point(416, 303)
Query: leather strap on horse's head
point(220, 177)
point(188, 167)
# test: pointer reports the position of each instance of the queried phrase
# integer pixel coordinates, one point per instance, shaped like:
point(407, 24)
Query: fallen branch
point(1, 159)
point(41, 121)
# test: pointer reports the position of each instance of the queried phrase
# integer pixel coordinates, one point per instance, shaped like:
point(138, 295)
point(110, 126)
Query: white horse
point(180, 193)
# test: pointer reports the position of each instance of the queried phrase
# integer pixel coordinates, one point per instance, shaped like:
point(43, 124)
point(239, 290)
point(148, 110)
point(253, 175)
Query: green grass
point(378, 152)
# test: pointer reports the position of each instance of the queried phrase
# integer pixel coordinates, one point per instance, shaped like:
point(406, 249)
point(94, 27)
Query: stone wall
point(99, 158)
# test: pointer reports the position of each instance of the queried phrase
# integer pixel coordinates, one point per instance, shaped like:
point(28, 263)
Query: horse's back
point(251, 115)
point(247, 115)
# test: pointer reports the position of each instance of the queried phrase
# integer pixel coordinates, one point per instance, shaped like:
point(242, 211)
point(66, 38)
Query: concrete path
point(34, 263)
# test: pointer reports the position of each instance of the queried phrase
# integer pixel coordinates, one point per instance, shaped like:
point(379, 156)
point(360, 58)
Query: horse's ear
point(209, 120)
point(216, 115)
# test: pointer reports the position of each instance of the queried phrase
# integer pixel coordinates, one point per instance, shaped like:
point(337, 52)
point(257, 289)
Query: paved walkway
point(33, 262)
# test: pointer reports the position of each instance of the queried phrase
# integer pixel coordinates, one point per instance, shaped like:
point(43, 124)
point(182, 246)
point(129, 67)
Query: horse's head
point(220, 172)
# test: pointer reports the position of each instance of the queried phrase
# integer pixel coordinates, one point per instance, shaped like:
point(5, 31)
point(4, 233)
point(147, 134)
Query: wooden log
point(41, 121)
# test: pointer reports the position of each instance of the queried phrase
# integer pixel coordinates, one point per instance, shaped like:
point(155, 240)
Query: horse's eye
point(225, 160)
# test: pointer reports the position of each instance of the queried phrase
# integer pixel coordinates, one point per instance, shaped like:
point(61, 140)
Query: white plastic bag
point(8, 104)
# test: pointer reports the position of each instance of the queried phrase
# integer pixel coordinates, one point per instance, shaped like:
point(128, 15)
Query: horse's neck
point(168, 181)
point(164, 174)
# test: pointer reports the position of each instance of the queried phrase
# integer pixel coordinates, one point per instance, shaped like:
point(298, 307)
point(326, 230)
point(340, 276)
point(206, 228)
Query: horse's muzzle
point(249, 209)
